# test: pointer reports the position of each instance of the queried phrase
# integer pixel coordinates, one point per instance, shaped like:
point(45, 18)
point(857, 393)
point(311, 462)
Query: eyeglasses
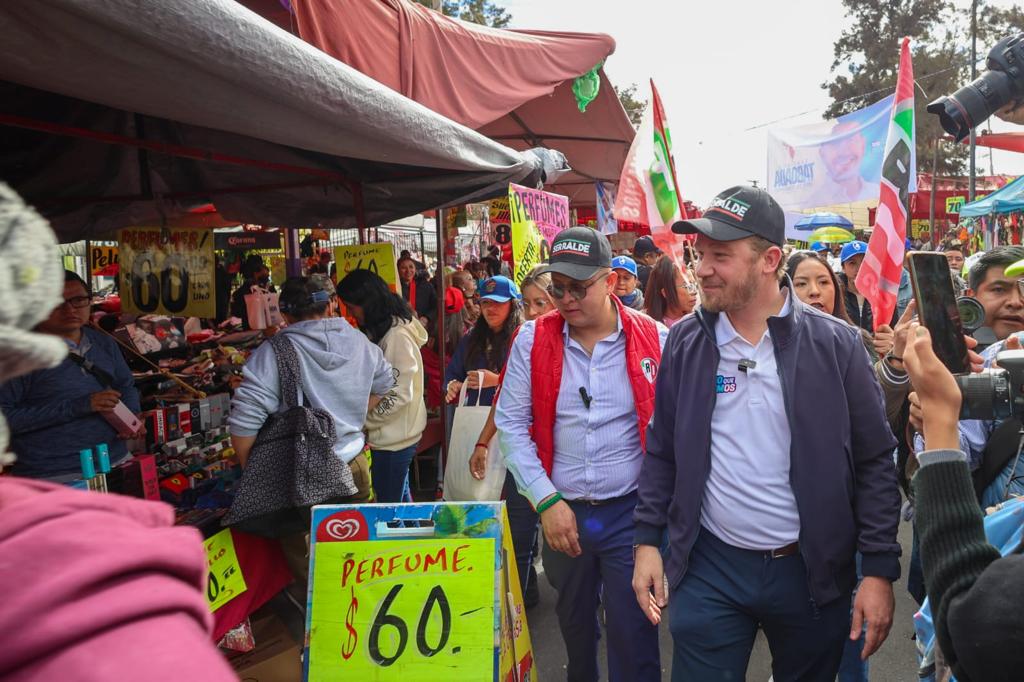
point(78, 301)
point(577, 291)
point(690, 287)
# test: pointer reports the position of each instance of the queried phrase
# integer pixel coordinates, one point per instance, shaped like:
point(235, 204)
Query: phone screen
point(937, 309)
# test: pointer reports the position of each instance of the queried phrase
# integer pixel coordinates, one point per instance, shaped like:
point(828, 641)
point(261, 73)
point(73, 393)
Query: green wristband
point(549, 503)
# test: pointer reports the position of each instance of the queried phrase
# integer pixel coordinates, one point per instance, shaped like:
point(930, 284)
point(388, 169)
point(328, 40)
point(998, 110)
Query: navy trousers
point(728, 593)
point(603, 574)
point(522, 521)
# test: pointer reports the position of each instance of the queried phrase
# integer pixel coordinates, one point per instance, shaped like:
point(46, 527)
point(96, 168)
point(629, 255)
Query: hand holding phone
point(937, 308)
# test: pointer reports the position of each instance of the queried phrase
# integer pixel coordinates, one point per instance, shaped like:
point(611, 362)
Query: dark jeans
point(389, 471)
point(603, 573)
point(727, 592)
point(522, 521)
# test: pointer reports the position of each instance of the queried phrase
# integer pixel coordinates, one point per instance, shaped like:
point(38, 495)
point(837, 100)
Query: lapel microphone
point(587, 399)
point(745, 365)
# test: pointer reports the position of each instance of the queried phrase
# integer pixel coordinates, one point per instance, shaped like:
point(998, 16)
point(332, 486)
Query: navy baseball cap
point(624, 263)
point(499, 288)
point(737, 213)
point(851, 249)
point(644, 246)
point(579, 253)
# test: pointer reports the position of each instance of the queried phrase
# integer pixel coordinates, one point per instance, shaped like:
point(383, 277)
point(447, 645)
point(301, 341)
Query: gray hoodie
point(340, 369)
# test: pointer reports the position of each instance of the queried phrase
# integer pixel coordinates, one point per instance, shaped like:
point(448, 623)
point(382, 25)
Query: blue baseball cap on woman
point(819, 246)
point(624, 263)
point(499, 289)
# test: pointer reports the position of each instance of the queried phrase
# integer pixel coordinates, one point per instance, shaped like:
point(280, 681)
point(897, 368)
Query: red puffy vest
point(643, 354)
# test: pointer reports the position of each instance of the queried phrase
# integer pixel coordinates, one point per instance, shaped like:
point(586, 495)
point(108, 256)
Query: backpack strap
point(287, 370)
point(1001, 447)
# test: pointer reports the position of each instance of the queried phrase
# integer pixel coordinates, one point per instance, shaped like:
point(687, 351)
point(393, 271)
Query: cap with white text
point(579, 253)
point(737, 213)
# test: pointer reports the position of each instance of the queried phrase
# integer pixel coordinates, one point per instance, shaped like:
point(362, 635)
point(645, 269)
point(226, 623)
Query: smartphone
point(937, 309)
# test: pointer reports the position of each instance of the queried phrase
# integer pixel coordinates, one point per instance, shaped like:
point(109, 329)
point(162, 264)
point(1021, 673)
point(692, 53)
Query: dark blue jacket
point(50, 416)
point(841, 470)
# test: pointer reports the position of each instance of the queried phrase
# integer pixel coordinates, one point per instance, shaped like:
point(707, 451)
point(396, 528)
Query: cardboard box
point(156, 428)
point(216, 412)
point(171, 423)
point(136, 477)
point(276, 657)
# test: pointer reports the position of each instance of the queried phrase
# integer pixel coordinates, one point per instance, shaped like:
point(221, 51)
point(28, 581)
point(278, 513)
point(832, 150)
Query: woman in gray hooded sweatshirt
point(341, 373)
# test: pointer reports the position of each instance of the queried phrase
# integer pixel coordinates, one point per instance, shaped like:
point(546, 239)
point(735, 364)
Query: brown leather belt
point(789, 550)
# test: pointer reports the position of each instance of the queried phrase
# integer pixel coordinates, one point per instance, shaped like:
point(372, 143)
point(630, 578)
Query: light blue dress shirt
point(597, 449)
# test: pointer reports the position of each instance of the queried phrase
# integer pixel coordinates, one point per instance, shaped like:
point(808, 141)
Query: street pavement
point(895, 661)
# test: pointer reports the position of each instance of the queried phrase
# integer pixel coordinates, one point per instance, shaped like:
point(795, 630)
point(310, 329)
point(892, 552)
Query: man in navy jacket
point(769, 463)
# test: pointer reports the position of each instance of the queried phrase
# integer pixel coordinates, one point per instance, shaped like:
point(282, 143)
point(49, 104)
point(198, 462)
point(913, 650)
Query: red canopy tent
point(512, 86)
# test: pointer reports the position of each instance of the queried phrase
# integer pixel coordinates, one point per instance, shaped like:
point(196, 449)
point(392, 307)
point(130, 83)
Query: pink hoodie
point(100, 587)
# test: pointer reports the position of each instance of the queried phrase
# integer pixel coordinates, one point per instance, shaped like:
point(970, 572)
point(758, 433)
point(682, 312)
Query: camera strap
point(1005, 443)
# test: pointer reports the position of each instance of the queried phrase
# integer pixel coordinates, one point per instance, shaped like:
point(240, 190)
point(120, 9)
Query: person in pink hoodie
point(95, 587)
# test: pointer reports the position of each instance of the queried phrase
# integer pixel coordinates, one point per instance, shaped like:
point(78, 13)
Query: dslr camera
point(1002, 84)
point(997, 393)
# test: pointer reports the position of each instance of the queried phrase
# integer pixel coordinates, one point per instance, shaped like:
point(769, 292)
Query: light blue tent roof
point(1009, 198)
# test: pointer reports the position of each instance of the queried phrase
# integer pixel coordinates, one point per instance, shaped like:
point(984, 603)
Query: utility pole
point(931, 197)
point(974, 74)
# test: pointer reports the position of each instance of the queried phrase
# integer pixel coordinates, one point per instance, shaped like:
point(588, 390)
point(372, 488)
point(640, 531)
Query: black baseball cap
point(737, 213)
point(645, 245)
point(579, 253)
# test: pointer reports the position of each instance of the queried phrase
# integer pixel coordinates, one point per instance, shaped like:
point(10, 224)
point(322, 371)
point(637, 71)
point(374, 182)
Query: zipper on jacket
point(786, 403)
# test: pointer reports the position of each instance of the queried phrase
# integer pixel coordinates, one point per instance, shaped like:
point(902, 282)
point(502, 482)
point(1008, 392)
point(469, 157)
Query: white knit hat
point(31, 286)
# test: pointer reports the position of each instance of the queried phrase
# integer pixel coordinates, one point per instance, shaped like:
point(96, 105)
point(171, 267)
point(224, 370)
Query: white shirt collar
point(725, 333)
point(618, 328)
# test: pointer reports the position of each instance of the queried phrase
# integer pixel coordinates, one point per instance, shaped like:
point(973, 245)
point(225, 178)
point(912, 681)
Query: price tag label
point(403, 610)
point(377, 258)
point(225, 580)
point(167, 272)
point(103, 261)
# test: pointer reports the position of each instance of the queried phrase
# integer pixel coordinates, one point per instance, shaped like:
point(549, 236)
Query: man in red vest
point(574, 406)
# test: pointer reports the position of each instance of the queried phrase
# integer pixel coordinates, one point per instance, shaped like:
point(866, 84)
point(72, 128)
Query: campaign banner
point(832, 162)
point(167, 271)
point(606, 223)
point(377, 258)
point(405, 591)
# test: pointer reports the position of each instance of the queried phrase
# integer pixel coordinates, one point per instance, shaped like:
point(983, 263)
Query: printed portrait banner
point(403, 592)
point(167, 271)
point(832, 162)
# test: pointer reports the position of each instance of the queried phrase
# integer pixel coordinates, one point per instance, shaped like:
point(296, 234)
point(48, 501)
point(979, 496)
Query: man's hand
point(899, 341)
point(874, 604)
point(936, 406)
point(559, 524)
point(648, 576)
point(478, 462)
point(104, 401)
point(882, 340)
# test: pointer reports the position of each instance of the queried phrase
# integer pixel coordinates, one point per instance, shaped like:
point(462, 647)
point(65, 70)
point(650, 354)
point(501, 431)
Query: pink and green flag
point(879, 277)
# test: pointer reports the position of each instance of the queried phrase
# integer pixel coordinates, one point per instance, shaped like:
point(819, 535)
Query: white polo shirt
point(748, 501)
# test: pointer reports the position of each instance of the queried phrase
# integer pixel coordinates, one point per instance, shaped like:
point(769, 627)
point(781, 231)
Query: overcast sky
point(722, 68)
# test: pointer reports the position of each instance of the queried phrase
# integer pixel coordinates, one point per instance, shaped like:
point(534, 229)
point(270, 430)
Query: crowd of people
point(729, 438)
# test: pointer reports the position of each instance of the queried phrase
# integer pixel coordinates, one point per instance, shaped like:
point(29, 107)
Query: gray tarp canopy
point(129, 112)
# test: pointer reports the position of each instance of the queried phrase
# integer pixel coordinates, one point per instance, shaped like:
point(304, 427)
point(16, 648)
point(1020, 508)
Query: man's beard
point(731, 297)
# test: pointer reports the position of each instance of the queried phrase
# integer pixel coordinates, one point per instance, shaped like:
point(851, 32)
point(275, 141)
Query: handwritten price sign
point(403, 610)
point(377, 258)
point(167, 272)
point(225, 580)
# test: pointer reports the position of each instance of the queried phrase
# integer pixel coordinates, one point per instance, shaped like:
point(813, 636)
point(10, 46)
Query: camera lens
point(973, 103)
point(985, 395)
point(972, 314)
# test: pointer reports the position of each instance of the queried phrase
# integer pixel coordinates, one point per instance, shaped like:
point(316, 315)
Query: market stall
point(216, 107)
point(999, 214)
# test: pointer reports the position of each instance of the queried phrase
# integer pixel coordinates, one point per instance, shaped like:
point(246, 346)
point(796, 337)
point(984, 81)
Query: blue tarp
point(1005, 200)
